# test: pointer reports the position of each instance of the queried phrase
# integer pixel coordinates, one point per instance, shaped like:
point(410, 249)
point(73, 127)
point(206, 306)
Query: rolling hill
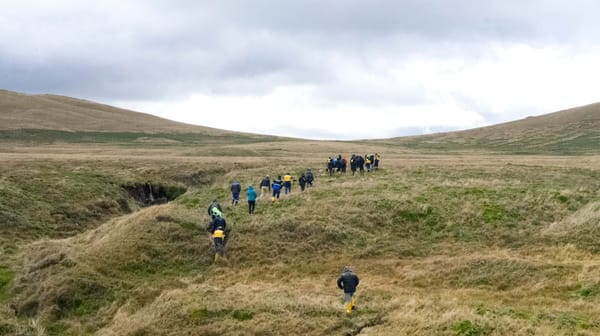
point(24, 111)
point(50, 118)
point(572, 131)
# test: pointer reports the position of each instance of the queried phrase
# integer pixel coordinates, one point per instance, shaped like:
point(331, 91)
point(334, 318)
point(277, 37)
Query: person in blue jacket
point(251, 193)
point(276, 187)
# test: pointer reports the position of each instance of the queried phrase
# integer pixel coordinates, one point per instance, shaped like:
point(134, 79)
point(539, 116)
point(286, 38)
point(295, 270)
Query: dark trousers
point(251, 206)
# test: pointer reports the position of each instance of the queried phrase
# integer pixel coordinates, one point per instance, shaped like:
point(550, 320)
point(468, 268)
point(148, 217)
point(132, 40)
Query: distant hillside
point(572, 131)
point(52, 112)
point(43, 119)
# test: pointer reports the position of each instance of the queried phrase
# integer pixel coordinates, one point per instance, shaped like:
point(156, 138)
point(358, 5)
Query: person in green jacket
point(251, 193)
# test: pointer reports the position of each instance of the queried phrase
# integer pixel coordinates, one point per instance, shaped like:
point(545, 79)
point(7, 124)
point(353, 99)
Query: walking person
point(310, 177)
point(276, 186)
point(287, 183)
point(265, 187)
point(217, 228)
point(251, 193)
point(348, 281)
point(236, 188)
point(376, 162)
point(302, 181)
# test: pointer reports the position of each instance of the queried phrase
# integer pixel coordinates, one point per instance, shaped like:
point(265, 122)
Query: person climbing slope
point(217, 228)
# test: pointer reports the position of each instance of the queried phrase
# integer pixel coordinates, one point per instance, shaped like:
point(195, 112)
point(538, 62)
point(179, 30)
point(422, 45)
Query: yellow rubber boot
point(349, 307)
point(353, 302)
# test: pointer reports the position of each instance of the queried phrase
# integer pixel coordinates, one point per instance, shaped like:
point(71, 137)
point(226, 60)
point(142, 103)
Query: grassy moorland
point(447, 241)
point(444, 244)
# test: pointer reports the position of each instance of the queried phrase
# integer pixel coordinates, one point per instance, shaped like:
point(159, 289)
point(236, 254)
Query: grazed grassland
point(473, 244)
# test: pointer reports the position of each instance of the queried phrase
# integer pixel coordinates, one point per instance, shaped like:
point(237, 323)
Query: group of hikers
point(218, 226)
point(219, 231)
point(369, 162)
point(272, 188)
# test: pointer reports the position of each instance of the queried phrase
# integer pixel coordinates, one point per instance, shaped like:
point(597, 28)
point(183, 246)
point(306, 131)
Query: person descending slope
point(287, 183)
point(217, 228)
point(236, 188)
point(348, 281)
point(251, 194)
point(302, 181)
point(276, 186)
point(310, 177)
point(265, 187)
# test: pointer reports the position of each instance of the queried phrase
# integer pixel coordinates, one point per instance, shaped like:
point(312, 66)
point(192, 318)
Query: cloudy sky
point(339, 69)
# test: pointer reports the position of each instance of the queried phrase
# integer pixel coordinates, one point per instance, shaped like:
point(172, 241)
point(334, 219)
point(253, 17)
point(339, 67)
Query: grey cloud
point(252, 47)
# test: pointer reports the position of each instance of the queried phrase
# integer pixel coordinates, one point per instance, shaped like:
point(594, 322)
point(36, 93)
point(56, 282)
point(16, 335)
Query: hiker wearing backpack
point(348, 281)
point(265, 186)
point(217, 228)
point(276, 186)
point(251, 193)
point(353, 164)
point(360, 164)
point(236, 188)
point(302, 181)
point(309, 177)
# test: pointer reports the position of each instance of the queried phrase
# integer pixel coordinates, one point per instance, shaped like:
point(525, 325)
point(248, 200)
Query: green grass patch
point(587, 292)
point(6, 278)
point(470, 328)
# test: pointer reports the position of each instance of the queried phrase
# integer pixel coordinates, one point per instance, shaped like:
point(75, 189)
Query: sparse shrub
point(588, 291)
point(242, 314)
point(469, 328)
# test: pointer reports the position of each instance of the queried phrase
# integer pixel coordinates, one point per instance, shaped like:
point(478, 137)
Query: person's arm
point(339, 283)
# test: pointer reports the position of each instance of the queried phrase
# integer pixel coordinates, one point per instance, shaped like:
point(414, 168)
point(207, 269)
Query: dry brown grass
point(283, 262)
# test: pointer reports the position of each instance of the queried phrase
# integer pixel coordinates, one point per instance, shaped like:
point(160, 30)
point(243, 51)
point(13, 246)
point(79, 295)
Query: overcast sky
point(339, 69)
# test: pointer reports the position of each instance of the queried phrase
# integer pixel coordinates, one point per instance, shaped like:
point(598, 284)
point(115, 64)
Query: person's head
point(347, 269)
point(267, 176)
point(215, 201)
point(279, 176)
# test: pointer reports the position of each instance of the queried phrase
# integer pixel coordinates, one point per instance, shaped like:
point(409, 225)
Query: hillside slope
point(52, 112)
point(572, 131)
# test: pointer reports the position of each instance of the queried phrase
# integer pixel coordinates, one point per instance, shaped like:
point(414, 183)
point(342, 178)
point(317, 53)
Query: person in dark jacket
point(217, 228)
point(348, 281)
point(265, 187)
point(236, 188)
point(302, 181)
point(309, 177)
